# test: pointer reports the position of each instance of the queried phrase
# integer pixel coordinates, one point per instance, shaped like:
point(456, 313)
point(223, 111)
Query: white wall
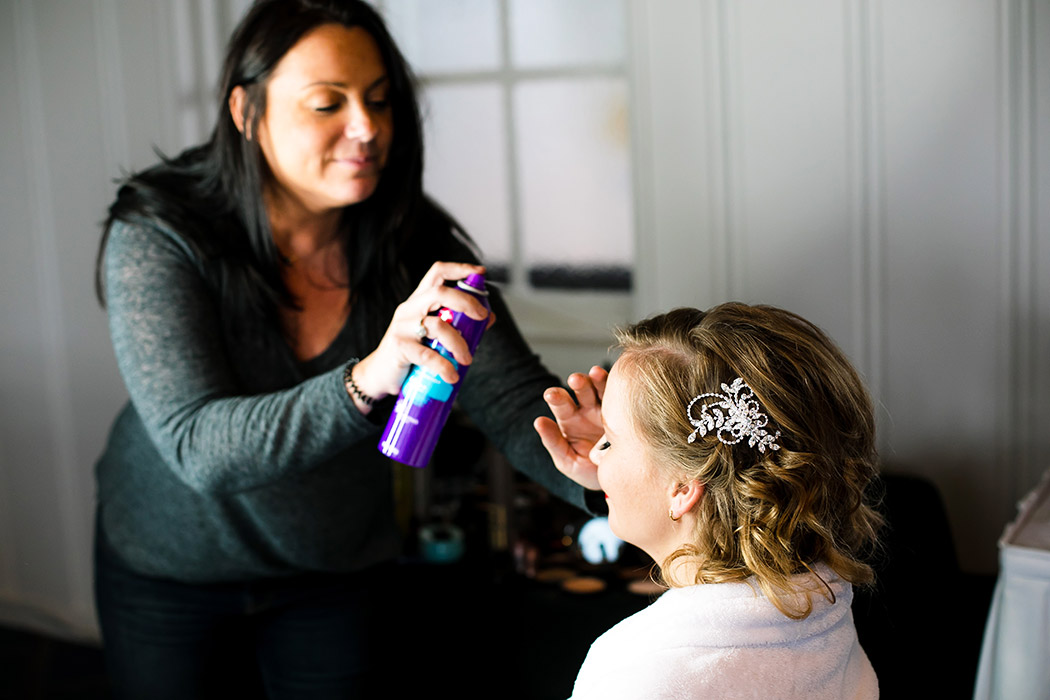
point(880, 166)
point(89, 88)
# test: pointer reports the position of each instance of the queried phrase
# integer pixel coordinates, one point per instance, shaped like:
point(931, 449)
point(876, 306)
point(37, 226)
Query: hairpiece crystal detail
point(734, 416)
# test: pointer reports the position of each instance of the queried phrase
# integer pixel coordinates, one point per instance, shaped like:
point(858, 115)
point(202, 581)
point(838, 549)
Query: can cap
point(475, 283)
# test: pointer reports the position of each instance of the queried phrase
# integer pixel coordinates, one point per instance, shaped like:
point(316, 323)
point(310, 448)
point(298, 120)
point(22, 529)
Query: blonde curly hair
point(774, 514)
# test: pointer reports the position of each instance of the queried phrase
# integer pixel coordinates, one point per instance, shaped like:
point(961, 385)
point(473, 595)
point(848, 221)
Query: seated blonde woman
point(736, 448)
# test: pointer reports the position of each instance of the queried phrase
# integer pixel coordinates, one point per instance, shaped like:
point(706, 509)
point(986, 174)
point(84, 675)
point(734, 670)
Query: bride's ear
point(685, 496)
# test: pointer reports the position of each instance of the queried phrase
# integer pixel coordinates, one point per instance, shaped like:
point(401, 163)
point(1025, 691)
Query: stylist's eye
point(325, 102)
point(604, 446)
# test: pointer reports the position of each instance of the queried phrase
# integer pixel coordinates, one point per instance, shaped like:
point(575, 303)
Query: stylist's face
point(328, 123)
point(637, 492)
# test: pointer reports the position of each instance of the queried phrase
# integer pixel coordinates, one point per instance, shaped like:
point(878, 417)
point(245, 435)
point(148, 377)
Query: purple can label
point(417, 420)
point(423, 385)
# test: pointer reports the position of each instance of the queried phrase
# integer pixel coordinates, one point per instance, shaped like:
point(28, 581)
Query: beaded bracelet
point(348, 381)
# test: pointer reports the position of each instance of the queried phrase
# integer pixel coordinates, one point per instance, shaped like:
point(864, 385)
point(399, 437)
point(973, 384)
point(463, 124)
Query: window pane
point(574, 173)
point(465, 167)
point(451, 35)
point(560, 33)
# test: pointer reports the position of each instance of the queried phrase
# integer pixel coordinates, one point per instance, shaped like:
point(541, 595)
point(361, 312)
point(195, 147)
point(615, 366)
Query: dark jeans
point(307, 637)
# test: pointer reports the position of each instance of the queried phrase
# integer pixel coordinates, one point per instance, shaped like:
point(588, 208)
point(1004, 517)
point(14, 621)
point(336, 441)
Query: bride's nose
point(595, 454)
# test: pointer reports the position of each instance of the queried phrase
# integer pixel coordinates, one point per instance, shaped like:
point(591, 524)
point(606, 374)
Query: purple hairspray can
point(426, 399)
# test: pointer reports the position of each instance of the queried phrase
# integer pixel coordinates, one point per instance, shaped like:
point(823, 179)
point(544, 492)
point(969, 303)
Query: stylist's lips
point(364, 164)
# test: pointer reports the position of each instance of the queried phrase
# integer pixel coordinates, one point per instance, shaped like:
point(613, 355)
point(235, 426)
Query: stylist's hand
point(578, 427)
point(382, 372)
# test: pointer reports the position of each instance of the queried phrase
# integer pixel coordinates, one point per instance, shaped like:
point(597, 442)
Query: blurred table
point(474, 631)
point(1015, 656)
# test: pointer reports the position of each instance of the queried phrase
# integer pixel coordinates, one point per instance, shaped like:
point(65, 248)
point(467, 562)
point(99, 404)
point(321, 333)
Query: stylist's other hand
point(579, 425)
point(384, 370)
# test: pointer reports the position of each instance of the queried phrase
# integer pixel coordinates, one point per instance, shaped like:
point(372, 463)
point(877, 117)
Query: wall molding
point(727, 175)
point(639, 62)
point(7, 525)
point(113, 100)
point(867, 206)
point(58, 376)
point(1019, 269)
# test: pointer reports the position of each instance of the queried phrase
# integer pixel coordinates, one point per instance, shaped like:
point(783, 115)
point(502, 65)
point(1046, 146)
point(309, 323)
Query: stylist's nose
point(361, 124)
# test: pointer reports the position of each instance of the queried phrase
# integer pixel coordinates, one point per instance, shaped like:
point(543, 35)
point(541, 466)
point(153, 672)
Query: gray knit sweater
point(234, 461)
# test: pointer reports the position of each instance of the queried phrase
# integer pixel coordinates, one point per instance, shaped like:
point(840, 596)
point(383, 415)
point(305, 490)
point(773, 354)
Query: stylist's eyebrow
point(340, 84)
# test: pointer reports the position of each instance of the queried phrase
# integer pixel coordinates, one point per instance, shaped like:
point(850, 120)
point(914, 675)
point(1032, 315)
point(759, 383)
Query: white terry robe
point(727, 640)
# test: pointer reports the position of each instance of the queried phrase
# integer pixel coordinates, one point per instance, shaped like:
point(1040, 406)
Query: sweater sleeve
point(166, 331)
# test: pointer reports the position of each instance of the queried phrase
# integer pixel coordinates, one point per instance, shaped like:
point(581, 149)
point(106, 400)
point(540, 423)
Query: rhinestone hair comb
point(734, 416)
